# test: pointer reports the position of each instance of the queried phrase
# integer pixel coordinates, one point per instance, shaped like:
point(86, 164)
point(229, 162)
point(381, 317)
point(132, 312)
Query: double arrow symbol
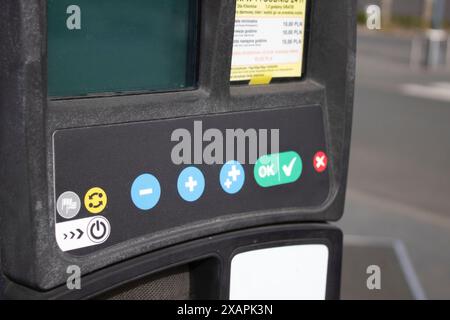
point(73, 234)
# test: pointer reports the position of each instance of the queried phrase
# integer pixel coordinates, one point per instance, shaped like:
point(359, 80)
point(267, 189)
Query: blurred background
point(399, 180)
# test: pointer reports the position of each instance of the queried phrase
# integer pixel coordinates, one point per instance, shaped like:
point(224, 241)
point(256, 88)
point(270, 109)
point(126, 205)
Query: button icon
point(74, 234)
point(145, 192)
point(68, 205)
point(232, 177)
point(278, 169)
point(320, 162)
point(191, 184)
point(98, 230)
point(95, 200)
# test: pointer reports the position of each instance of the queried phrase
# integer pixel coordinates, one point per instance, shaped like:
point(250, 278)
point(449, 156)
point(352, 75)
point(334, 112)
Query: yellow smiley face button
point(95, 200)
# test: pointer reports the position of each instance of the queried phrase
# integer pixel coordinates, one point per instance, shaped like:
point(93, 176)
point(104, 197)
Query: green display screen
point(120, 46)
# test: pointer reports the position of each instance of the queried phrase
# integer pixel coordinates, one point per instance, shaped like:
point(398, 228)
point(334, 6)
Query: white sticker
point(282, 273)
point(82, 233)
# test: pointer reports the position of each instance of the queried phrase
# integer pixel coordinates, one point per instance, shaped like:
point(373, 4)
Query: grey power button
point(98, 230)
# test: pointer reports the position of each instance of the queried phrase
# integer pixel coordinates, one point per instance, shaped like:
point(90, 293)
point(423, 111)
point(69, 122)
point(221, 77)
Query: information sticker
point(268, 40)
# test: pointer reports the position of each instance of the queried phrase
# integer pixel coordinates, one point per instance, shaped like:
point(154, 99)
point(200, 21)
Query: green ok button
point(278, 169)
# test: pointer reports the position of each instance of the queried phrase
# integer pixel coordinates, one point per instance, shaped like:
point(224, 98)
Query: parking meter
point(181, 141)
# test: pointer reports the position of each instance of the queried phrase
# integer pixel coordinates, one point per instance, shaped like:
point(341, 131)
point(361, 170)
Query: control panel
point(118, 182)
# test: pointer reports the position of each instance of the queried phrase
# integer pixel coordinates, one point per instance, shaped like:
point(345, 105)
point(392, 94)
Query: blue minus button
point(146, 192)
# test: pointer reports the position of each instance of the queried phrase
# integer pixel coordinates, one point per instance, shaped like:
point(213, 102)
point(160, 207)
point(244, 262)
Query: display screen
point(269, 40)
point(115, 46)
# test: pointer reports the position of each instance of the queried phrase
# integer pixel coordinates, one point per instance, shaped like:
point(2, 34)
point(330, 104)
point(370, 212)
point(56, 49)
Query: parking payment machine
point(177, 149)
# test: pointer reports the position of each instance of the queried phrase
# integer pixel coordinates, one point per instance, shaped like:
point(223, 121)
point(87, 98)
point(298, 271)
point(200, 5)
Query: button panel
point(133, 184)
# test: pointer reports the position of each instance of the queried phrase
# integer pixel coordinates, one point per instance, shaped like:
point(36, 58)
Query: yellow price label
point(268, 40)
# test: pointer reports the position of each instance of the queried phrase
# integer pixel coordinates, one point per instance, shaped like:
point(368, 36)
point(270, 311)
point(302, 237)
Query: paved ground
point(399, 182)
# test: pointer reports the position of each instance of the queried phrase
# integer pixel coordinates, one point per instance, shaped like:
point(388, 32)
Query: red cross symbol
point(320, 162)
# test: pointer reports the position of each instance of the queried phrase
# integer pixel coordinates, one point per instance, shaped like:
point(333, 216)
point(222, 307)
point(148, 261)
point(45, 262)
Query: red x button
point(320, 162)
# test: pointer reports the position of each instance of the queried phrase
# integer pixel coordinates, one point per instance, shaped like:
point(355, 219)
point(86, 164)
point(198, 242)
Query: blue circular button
point(232, 177)
point(191, 184)
point(146, 191)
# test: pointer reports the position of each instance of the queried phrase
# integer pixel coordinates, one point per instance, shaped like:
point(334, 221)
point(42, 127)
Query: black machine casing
point(28, 121)
point(196, 270)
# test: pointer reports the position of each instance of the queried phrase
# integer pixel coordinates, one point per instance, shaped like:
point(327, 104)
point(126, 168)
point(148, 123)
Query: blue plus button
point(191, 184)
point(145, 192)
point(232, 177)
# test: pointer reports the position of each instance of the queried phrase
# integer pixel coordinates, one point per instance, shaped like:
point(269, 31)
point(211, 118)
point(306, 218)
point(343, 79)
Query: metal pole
point(447, 56)
point(386, 11)
point(438, 16)
point(427, 12)
point(415, 59)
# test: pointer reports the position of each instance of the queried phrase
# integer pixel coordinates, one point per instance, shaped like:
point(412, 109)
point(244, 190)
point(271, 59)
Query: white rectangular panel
point(281, 273)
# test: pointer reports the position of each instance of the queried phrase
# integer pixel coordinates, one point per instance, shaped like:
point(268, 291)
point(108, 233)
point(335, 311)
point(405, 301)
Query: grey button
point(99, 230)
point(68, 205)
